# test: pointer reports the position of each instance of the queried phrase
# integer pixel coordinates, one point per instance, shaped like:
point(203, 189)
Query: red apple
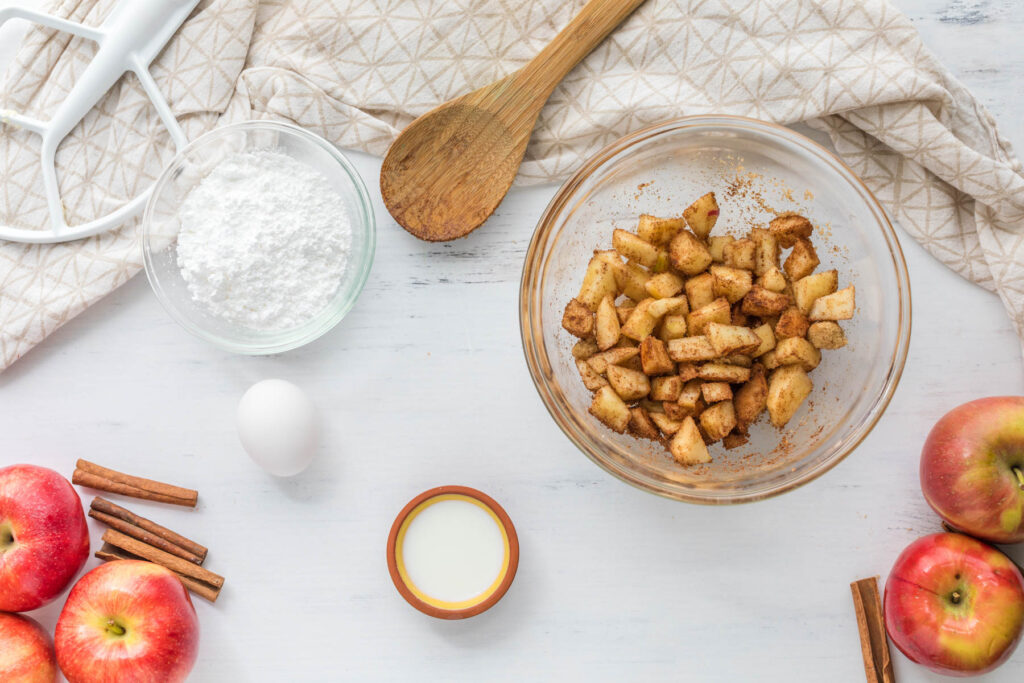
point(26, 655)
point(954, 604)
point(972, 468)
point(44, 539)
point(127, 620)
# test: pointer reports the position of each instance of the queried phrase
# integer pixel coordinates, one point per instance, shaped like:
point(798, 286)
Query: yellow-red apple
point(26, 654)
point(954, 604)
point(972, 468)
point(127, 620)
point(44, 539)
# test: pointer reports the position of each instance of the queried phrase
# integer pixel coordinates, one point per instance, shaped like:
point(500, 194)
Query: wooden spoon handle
point(595, 21)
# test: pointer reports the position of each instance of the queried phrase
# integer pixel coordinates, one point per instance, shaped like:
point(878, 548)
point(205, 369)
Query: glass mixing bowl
point(755, 169)
point(160, 226)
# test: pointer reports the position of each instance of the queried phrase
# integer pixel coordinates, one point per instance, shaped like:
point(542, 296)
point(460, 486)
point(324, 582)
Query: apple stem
point(1020, 475)
point(955, 597)
point(115, 628)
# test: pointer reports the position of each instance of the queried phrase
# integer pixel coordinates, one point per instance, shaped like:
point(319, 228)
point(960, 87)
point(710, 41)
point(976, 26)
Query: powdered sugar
point(264, 241)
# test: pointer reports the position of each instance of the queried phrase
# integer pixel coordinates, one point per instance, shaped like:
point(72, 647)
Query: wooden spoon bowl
point(449, 169)
point(474, 159)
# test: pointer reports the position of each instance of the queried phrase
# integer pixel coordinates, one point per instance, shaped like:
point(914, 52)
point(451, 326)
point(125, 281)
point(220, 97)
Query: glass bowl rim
point(533, 265)
point(339, 306)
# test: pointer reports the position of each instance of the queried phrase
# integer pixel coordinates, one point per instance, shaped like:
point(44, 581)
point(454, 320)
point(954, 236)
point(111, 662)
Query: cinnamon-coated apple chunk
point(837, 306)
point(788, 228)
point(598, 281)
point(675, 305)
point(713, 392)
point(687, 371)
point(672, 327)
point(826, 334)
point(664, 285)
point(688, 254)
point(797, 351)
point(741, 254)
point(677, 412)
point(792, 323)
point(658, 231)
point(640, 322)
point(763, 302)
point(606, 329)
point(734, 440)
point(667, 425)
point(702, 215)
point(731, 283)
point(600, 361)
point(691, 349)
point(632, 280)
point(592, 380)
point(718, 420)
point(577, 319)
point(654, 357)
point(740, 359)
point(629, 384)
point(700, 290)
point(687, 446)
point(666, 388)
point(766, 252)
point(633, 248)
point(787, 389)
point(802, 261)
point(717, 311)
point(640, 424)
point(773, 279)
point(610, 409)
point(728, 339)
point(584, 349)
point(717, 245)
point(769, 361)
point(723, 372)
point(751, 399)
point(767, 337)
point(689, 395)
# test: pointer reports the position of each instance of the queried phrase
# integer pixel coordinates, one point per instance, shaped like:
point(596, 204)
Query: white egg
point(278, 427)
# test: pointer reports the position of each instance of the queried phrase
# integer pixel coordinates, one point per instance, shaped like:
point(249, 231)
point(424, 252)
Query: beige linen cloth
point(357, 71)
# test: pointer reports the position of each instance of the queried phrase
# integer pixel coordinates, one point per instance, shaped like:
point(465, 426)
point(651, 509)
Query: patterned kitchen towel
point(357, 71)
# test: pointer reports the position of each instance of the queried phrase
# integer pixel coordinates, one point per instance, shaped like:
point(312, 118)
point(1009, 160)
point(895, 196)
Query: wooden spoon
point(450, 168)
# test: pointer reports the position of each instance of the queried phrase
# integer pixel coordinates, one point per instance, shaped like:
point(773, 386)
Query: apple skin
point(44, 540)
point(127, 620)
point(26, 655)
point(972, 468)
point(954, 605)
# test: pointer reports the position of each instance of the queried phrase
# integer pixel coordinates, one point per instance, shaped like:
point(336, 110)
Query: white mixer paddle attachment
point(129, 39)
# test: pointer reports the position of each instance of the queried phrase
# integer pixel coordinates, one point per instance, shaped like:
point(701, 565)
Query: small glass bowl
point(160, 226)
point(755, 168)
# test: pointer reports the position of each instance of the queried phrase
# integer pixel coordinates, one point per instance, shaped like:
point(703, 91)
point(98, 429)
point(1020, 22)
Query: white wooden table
point(424, 384)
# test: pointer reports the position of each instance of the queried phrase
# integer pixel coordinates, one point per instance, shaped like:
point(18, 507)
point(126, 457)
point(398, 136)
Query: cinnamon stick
point(105, 479)
point(871, 625)
point(144, 536)
point(108, 552)
point(155, 555)
point(104, 507)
